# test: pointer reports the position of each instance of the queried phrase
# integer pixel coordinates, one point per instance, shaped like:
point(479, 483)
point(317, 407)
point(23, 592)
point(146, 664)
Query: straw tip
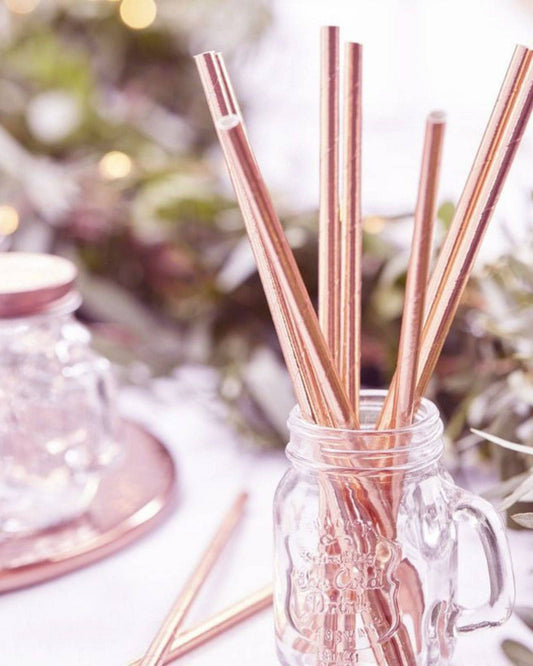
point(355, 47)
point(204, 54)
point(228, 122)
point(437, 117)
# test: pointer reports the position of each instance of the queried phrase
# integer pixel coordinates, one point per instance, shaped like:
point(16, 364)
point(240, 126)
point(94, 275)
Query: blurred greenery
point(165, 269)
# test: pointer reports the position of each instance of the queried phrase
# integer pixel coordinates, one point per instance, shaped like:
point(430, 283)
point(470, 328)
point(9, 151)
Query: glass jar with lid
point(58, 419)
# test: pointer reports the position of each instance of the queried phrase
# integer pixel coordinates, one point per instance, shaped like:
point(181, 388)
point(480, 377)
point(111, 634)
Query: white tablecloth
point(106, 614)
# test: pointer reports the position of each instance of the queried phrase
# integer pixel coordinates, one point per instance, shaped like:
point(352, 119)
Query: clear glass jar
point(58, 418)
point(366, 544)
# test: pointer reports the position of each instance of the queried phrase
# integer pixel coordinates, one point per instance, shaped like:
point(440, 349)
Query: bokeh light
point(115, 164)
point(21, 6)
point(373, 224)
point(138, 14)
point(9, 220)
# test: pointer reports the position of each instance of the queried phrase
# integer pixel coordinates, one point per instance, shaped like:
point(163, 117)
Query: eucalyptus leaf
point(525, 487)
point(502, 488)
point(524, 520)
point(519, 654)
point(525, 613)
point(512, 446)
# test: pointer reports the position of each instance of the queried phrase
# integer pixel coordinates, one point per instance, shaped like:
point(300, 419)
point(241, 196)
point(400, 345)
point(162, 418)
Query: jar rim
point(426, 429)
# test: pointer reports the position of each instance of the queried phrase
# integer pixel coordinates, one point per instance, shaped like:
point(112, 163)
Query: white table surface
point(106, 614)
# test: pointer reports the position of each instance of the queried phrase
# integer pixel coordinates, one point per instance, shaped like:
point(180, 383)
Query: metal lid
point(33, 283)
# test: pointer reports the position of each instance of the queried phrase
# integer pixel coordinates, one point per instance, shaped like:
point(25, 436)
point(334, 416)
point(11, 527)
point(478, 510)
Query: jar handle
point(486, 521)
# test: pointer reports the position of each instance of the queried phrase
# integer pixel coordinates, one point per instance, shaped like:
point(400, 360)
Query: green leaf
point(524, 520)
point(525, 613)
point(519, 654)
point(445, 213)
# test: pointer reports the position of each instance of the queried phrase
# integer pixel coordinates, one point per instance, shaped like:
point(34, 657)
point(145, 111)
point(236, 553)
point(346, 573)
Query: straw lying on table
point(162, 642)
point(190, 639)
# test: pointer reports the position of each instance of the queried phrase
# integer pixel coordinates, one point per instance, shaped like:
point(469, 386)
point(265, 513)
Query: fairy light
point(115, 164)
point(9, 220)
point(138, 14)
point(21, 6)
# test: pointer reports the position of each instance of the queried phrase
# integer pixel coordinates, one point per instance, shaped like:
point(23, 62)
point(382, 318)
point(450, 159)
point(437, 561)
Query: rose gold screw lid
point(32, 283)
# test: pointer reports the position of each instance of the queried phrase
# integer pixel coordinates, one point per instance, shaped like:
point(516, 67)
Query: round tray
point(130, 500)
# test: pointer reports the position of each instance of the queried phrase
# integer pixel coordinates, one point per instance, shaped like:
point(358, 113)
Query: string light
point(9, 220)
point(115, 164)
point(21, 6)
point(138, 14)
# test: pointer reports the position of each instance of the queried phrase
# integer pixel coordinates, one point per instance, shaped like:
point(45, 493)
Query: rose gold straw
point(306, 354)
point(162, 642)
point(351, 240)
point(417, 274)
point(329, 260)
point(318, 387)
point(222, 101)
point(203, 632)
point(237, 148)
point(270, 247)
point(474, 211)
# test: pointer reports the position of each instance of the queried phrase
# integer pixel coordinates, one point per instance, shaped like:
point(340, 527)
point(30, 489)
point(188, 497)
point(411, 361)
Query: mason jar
point(366, 546)
point(58, 416)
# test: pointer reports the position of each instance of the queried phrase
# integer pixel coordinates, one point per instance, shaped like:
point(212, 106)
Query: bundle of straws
point(323, 352)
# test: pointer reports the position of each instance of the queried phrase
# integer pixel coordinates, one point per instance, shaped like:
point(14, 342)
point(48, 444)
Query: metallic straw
point(417, 274)
point(474, 211)
point(306, 354)
point(162, 642)
point(203, 632)
point(273, 253)
point(317, 385)
point(351, 229)
point(329, 260)
point(222, 101)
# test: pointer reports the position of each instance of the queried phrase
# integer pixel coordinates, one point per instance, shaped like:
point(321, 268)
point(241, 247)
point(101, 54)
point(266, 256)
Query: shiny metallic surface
point(317, 384)
point(161, 644)
point(351, 228)
point(131, 500)
point(222, 105)
point(474, 211)
point(329, 259)
point(475, 208)
point(309, 352)
point(417, 275)
point(205, 631)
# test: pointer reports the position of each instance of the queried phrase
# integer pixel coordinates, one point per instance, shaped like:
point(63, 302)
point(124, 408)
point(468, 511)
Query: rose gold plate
point(130, 500)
